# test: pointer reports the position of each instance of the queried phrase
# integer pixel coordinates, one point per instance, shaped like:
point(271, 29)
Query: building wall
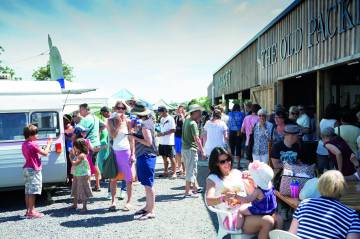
point(240, 73)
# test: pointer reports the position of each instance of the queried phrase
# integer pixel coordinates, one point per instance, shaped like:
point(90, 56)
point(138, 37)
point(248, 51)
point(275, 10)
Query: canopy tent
point(126, 95)
point(161, 102)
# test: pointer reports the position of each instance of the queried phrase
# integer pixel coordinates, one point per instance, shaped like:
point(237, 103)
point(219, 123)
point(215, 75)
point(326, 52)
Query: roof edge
point(287, 10)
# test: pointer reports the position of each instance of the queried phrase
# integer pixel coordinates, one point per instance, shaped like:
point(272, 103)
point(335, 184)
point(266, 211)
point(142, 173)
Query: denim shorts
point(33, 181)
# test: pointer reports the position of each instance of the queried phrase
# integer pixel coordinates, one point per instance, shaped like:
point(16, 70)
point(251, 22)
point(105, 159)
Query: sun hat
point(195, 107)
point(291, 129)
point(140, 109)
point(262, 174)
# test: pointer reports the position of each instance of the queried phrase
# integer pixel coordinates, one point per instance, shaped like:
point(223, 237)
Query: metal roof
point(291, 7)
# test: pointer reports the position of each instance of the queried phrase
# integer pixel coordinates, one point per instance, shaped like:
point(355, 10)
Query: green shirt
point(83, 168)
point(190, 130)
point(92, 123)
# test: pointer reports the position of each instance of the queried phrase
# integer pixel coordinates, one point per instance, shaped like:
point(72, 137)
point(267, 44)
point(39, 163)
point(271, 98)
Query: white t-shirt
point(303, 121)
point(167, 124)
point(225, 118)
point(324, 123)
point(121, 141)
point(214, 135)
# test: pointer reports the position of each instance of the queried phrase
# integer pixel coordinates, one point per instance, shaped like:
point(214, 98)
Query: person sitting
point(326, 217)
point(223, 179)
point(340, 154)
point(262, 201)
point(287, 150)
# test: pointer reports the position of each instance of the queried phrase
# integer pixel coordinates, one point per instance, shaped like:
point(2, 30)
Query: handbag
point(300, 173)
point(110, 169)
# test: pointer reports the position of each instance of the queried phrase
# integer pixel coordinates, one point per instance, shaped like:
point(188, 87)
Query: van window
point(12, 126)
point(47, 123)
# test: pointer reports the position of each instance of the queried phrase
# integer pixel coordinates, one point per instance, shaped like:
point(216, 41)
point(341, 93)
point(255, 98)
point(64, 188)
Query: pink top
point(30, 150)
point(248, 125)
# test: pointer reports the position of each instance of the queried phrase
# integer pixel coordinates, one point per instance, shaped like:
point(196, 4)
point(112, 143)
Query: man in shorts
point(191, 143)
point(167, 141)
point(32, 169)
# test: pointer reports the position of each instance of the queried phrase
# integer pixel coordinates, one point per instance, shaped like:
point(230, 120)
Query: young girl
point(263, 199)
point(81, 188)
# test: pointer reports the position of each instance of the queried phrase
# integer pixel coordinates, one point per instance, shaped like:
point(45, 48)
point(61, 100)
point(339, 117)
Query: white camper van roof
point(9, 87)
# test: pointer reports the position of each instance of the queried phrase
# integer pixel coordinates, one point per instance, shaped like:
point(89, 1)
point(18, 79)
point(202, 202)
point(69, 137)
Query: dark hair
point(212, 108)
point(255, 108)
point(347, 116)
point(216, 114)
point(331, 111)
point(105, 109)
point(214, 159)
point(30, 130)
point(236, 107)
point(84, 106)
point(80, 144)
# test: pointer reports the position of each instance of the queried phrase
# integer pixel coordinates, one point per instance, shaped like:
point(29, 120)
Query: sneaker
point(121, 195)
point(109, 195)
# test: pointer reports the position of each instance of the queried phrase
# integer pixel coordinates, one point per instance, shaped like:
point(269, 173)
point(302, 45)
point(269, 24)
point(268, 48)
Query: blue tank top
point(265, 206)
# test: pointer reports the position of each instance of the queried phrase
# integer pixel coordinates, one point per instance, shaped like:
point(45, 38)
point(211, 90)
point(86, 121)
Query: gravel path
point(175, 217)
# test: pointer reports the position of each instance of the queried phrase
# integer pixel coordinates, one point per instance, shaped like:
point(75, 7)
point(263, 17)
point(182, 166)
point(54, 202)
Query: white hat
point(262, 174)
point(195, 107)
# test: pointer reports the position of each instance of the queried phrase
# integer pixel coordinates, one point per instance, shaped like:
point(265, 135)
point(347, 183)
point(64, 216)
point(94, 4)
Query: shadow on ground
point(97, 221)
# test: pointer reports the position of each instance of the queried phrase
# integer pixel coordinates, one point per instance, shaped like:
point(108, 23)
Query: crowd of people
point(134, 136)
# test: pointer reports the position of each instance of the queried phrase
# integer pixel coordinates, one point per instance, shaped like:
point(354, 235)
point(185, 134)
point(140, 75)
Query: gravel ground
point(175, 217)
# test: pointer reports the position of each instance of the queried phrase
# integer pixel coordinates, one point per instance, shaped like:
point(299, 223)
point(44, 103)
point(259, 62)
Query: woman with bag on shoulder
point(124, 148)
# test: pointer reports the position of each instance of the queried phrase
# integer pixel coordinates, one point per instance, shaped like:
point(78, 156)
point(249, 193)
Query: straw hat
point(195, 107)
point(262, 174)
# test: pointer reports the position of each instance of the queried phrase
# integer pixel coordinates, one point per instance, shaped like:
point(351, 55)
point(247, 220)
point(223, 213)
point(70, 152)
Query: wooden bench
point(350, 199)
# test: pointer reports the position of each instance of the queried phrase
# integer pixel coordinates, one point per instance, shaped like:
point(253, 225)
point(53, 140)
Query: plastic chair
point(280, 234)
point(222, 230)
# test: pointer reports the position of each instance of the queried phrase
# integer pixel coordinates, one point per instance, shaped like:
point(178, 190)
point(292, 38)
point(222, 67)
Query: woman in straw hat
point(143, 134)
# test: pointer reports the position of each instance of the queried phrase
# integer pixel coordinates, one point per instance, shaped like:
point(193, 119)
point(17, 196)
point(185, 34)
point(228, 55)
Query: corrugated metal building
point(308, 55)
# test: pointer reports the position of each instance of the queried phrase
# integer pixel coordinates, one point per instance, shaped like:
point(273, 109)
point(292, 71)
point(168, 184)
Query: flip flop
point(127, 208)
point(112, 208)
point(147, 216)
point(140, 212)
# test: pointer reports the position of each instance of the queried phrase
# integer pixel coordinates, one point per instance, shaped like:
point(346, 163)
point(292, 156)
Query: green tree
point(43, 73)
point(202, 101)
point(6, 69)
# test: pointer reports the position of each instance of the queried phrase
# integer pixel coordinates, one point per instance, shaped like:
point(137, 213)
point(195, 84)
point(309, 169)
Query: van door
point(11, 139)
point(49, 124)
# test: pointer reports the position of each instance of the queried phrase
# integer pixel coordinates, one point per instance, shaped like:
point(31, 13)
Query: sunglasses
point(224, 161)
point(120, 108)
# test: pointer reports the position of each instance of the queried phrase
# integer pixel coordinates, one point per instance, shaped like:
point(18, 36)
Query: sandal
point(140, 212)
point(127, 207)
point(35, 215)
point(147, 216)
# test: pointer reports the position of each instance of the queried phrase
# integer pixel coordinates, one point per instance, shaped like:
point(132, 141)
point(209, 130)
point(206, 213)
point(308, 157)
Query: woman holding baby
point(223, 183)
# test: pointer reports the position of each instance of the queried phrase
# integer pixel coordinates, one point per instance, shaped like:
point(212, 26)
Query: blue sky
point(155, 49)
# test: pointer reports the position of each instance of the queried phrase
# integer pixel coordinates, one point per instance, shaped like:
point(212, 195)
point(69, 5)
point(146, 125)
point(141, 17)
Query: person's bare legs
point(113, 188)
point(260, 225)
point(166, 166)
point(150, 199)
point(187, 187)
point(129, 194)
point(178, 162)
point(243, 211)
point(173, 166)
point(237, 161)
point(31, 203)
point(97, 177)
point(27, 204)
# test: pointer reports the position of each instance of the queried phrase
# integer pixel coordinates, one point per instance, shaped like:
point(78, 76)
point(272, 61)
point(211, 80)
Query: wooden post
point(280, 92)
point(320, 78)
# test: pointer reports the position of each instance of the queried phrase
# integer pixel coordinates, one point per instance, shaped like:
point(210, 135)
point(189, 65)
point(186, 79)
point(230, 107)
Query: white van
point(39, 103)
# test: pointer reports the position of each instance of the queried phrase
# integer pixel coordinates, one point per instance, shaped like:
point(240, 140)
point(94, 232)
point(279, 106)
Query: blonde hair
point(332, 184)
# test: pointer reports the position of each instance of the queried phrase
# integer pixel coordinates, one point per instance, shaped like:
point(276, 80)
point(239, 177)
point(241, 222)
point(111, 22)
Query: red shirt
point(30, 150)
